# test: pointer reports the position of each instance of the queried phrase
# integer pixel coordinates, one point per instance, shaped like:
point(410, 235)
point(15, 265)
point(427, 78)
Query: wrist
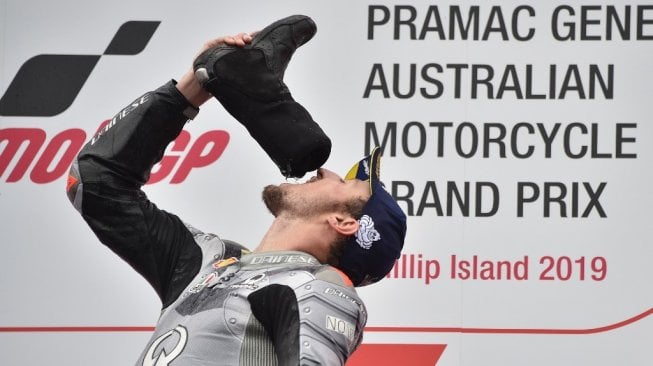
point(191, 89)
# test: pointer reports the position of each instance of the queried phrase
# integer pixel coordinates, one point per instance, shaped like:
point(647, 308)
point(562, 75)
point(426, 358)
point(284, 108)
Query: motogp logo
point(22, 145)
point(48, 84)
point(55, 80)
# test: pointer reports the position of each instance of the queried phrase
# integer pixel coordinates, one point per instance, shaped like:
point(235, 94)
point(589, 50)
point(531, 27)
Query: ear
point(343, 224)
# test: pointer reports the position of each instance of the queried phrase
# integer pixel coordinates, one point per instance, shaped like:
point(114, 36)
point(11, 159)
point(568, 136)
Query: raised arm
point(105, 187)
point(106, 179)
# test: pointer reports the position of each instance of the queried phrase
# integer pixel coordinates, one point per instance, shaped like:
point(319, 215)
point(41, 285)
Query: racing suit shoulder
point(315, 321)
point(334, 318)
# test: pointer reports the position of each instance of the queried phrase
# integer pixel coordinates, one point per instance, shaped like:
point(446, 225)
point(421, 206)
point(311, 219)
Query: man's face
point(323, 193)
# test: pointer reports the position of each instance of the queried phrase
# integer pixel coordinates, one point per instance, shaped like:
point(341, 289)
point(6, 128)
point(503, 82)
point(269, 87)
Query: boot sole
point(204, 74)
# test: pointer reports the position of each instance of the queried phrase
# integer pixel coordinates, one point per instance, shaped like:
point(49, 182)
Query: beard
point(279, 200)
point(274, 199)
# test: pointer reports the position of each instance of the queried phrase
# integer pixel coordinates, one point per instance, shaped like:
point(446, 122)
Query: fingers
point(239, 40)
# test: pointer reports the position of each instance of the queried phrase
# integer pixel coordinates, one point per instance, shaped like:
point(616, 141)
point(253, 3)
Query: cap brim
point(367, 169)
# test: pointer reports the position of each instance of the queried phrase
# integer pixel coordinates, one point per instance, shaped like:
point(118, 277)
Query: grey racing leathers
point(222, 305)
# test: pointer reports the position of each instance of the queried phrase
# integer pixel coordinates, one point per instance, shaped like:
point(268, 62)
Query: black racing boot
point(248, 81)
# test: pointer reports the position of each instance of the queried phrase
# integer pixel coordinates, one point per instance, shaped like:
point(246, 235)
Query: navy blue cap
point(371, 253)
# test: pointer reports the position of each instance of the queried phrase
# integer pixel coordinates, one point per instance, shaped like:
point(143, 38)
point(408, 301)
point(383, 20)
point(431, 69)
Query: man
point(292, 300)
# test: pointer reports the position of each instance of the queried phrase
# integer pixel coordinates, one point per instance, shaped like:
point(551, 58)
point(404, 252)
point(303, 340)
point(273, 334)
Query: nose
point(326, 173)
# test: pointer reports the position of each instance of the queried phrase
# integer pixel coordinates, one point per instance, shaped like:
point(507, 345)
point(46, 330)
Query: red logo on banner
point(397, 354)
point(50, 158)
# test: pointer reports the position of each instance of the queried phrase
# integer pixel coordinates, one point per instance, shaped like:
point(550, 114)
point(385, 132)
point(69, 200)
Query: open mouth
point(313, 179)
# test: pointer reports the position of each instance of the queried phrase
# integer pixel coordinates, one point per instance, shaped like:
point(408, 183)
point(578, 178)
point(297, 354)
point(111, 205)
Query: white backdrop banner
point(517, 137)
